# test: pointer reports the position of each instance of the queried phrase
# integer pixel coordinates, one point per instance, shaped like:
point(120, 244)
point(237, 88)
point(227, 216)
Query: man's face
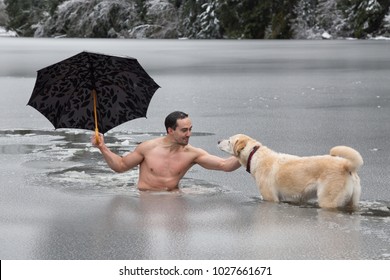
point(182, 132)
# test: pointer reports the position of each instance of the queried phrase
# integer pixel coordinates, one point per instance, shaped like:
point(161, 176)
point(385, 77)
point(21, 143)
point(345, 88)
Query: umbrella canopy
point(93, 91)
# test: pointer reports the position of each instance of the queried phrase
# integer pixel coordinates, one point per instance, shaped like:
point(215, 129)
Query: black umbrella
point(93, 91)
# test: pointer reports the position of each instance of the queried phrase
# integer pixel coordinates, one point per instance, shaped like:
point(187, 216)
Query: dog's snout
point(219, 141)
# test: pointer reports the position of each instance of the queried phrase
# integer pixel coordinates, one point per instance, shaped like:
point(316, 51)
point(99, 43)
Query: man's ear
point(239, 145)
point(170, 130)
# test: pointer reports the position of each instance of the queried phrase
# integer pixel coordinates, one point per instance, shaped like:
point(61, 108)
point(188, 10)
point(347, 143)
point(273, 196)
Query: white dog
point(333, 178)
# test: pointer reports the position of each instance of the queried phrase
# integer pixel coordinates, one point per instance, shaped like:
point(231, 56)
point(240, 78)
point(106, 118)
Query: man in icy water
point(164, 161)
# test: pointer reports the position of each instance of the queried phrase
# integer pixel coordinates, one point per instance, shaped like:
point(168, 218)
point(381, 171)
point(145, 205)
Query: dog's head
point(238, 145)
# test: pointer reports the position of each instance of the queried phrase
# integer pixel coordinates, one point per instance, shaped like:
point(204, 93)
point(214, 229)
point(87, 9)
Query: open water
point(59, 200)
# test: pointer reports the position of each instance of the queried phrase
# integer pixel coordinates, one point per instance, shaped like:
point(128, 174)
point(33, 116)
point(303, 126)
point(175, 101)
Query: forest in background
point(197, 19)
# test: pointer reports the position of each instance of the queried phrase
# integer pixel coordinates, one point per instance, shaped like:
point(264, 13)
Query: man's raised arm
point(115, 162)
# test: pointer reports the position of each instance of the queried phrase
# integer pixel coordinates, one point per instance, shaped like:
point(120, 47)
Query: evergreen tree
point(256, 16)
point(283, 12)
point(208, 22)
point(331, 19)
point(304, 22)
point(229, 14)
point(3, 14)
point(386, 23)
point(141, 9)
point(190, 24)
point(247, 19)
point(25, 14)
point(366, 16)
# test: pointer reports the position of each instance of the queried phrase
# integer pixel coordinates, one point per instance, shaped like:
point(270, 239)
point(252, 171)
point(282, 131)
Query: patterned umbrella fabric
point(66, 92)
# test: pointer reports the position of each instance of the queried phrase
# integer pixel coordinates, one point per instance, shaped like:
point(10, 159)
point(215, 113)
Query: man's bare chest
point(166, 163)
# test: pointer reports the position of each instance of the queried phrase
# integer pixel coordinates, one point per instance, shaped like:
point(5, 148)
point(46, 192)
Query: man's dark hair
point(171, 119)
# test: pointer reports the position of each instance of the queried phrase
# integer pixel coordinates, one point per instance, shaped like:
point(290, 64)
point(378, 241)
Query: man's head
point(171, 119)
point(179, 126)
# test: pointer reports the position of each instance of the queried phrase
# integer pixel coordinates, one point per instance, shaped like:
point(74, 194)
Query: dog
point(332, 179)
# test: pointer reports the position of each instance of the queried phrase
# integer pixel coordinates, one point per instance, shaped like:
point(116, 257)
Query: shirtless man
point(164, 161)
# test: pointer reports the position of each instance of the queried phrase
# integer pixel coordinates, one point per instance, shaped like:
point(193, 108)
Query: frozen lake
point(59, 200)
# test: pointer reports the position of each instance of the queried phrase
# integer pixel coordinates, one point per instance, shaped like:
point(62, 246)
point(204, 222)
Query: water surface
point(60, 201)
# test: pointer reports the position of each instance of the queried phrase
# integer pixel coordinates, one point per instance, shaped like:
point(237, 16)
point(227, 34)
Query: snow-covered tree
point(249, 19)
point(366, 16)
point(200, 20)
point(23, 14)
point(330, 19)
point(3, 14)
point(90, 18)
point(304, 23)
point(386, 21)
point(208, 22)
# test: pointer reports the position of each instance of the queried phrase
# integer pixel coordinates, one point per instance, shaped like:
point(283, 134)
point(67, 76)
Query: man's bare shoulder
point(148, 144)
point(196, 150)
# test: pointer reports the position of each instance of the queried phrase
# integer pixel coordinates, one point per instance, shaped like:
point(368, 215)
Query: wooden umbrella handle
point(95, 115)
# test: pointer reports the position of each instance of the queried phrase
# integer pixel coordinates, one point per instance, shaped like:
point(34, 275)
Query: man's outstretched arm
point(217, 163)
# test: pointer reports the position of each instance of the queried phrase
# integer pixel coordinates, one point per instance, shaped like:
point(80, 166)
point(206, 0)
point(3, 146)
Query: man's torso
point(163, 167)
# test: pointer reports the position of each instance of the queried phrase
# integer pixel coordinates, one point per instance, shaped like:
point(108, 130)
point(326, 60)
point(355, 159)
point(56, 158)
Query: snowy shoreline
point(5, 33)
point(325, 35)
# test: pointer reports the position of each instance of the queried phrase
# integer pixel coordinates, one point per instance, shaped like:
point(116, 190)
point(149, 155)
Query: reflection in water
point(177, 226)
point(161, 220)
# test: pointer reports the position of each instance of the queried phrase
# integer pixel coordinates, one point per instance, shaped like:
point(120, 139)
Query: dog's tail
point(353, 156)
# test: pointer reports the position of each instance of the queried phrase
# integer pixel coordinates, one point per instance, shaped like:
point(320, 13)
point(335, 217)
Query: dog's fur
point(333, 178)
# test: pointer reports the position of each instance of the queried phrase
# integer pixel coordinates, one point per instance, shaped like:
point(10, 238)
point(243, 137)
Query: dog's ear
point(239, 146)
